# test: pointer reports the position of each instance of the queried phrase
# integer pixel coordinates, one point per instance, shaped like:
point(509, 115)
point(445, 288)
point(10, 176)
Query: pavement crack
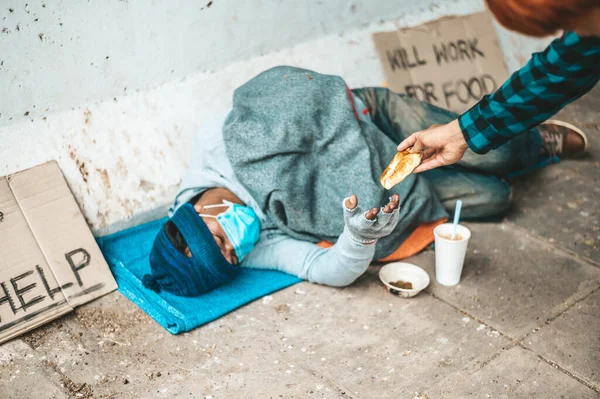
point(74, 389)
point(341, 390)
point(464, 312)
point(544, 241)
point(494, 356)
point(513, 342)
point(567, 305)
point(564, 370)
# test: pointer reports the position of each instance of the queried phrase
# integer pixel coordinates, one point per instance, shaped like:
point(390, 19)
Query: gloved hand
point(367, 227)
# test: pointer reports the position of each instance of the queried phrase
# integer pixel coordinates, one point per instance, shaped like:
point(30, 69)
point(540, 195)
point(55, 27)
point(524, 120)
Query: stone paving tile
point(23, 375)
point(573, 340)
point(561, 204)
point(306, 341)
point(511, 280)
point(377, 345)
point(516, 373)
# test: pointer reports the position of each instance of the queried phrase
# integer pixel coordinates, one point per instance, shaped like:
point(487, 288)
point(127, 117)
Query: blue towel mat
point(127, 255)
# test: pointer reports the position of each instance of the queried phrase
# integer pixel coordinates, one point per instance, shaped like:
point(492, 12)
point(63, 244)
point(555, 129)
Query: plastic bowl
point(407, 272)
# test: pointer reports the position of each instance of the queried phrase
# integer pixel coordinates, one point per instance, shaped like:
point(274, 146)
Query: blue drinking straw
point(456, 217)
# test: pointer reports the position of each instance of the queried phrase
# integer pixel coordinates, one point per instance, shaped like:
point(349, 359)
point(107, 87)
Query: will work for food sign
point(451, 63)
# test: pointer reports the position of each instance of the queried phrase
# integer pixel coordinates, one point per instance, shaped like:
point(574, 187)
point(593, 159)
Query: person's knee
point(492, 200)
point(498, 198)
point(499, 192)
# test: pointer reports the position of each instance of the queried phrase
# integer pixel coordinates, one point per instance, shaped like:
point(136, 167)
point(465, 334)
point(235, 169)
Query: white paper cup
point(450, 254)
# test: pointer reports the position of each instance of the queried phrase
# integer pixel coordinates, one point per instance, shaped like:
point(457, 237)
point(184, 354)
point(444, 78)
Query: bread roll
point(401, 166)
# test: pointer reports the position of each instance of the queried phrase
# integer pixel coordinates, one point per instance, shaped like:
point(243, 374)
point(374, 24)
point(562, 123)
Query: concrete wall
point(114, 90)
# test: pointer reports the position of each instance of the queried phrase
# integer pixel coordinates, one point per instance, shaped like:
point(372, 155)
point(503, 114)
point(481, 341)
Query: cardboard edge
point(37, 241)
point(425, 27)
point(42, 321)
point(13, 175)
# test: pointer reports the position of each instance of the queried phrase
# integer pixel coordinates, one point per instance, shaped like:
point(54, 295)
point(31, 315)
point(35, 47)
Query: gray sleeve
point(337, 266)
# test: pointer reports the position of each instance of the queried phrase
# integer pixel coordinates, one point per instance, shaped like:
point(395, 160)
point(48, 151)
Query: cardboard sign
point(451, 63)
point(49, 259)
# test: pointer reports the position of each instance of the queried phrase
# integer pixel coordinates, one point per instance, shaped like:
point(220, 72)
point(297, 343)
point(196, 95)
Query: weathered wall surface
point(115, 90)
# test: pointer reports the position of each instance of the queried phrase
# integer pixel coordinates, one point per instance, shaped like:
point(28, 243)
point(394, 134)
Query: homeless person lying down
point(295, 163)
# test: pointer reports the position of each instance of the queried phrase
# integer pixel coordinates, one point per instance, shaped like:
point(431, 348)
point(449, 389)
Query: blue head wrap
point(176, 273)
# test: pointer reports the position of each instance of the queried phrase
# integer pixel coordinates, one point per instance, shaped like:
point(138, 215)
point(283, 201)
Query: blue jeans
point(478, 180)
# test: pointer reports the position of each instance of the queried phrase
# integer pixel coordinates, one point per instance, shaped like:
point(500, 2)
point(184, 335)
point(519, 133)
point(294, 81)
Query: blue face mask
point(240, 224)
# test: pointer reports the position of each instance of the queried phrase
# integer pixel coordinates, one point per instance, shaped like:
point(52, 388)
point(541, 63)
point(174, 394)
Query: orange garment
point(415, 243)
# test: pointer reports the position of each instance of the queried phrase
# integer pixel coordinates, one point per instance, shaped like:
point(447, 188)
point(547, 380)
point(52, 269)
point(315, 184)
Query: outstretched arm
point(337, 266)
point(565, 71)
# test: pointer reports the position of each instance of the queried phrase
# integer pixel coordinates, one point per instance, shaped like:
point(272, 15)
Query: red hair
point(540, 17)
